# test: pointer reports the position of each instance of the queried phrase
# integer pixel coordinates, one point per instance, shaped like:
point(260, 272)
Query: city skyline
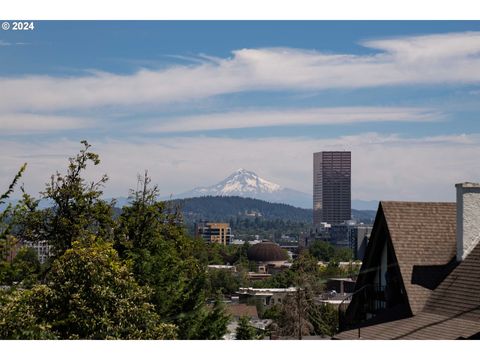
point(242, 94)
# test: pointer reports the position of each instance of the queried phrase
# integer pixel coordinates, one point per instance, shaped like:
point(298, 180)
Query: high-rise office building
point(331, 187)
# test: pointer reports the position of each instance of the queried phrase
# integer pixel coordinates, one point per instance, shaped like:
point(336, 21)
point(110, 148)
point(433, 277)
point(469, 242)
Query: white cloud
point(429, 47)
point(18, 123)
point(384, 166)
point(434, 59)
point(303, 116)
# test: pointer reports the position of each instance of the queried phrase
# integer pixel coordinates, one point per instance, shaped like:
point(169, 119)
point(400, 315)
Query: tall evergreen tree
point(245, 331)
point(295, 319)
point(150, 235)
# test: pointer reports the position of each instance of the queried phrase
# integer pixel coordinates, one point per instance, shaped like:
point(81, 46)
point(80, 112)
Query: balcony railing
point(370, 299)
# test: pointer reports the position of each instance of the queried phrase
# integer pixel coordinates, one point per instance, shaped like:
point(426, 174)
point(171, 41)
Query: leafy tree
point(306, 265)
point(272, 312)
point(322, 250)
point(5, 273)
point(343, 254)
point(89, 294)
point(20, 314)
point(243, 252)
point(25, 267)
point(244, 330)
point(214, 254)
point(88, 290)
point(281, 279)
point(76, 210)
point(222, 281)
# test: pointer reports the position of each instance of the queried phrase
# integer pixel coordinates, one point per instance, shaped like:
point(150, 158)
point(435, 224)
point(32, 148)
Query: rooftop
point(423, 236)
point(239, 310)
point(444, 295)
point(251, 290)
point(266, 251)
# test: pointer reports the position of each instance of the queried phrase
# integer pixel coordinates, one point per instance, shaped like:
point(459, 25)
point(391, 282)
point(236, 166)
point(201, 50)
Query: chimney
point(468, 218)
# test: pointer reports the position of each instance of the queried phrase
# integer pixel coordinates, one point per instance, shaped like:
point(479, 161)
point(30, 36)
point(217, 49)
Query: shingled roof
point(239, 310)
point(423, 238)
point(424, 326)
point(451, 312)
point(459, 294)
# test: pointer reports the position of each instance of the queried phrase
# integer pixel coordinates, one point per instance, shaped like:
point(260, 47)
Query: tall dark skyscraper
point(332, 197)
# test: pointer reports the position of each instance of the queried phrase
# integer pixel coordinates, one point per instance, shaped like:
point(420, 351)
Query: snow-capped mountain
point(248, 184)
point(241, 182)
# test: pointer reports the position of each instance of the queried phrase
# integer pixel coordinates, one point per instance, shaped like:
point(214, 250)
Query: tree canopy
point(245, 331)
point(133, 276)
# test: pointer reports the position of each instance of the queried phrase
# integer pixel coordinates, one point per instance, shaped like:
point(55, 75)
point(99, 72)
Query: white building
point(42, 248)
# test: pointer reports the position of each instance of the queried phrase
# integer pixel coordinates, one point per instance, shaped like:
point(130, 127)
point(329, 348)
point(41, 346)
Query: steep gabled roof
point(451, 312)
point(423, 239)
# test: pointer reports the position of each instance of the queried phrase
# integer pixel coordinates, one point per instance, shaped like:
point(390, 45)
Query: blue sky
point(192, 101)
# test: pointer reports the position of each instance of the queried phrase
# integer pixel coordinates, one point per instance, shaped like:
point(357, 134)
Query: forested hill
point(224, 208)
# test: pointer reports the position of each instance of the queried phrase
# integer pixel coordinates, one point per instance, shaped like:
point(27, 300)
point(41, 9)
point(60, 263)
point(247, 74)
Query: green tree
point(6, 226)
point(324, 318)
point(343, 254)
point(283, 279)
point(245, 331)
point(20, 314)
point(135, 276)
point(322, 250)
point(294, 319)
point(150, 235)
point(5, 222)
point(89, 294)
point(25, 267)
point(214, 254)
point(76, 210)
point(272, 312)
point(223, 281)
point(208, 324)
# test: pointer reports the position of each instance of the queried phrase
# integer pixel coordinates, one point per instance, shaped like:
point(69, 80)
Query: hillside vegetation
point(226, 208)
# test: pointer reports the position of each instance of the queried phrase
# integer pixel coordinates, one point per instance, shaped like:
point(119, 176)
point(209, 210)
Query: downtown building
point(214, 233)
point(331, 187)
point(351, 235)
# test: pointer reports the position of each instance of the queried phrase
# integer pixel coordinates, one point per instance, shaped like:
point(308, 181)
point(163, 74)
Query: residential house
point(420, 277)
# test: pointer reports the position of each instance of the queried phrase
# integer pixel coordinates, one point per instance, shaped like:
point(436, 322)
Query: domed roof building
point(267, 253)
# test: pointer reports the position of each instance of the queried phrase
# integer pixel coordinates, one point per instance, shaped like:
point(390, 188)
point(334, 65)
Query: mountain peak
point(243, 171)
point(246, 183)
